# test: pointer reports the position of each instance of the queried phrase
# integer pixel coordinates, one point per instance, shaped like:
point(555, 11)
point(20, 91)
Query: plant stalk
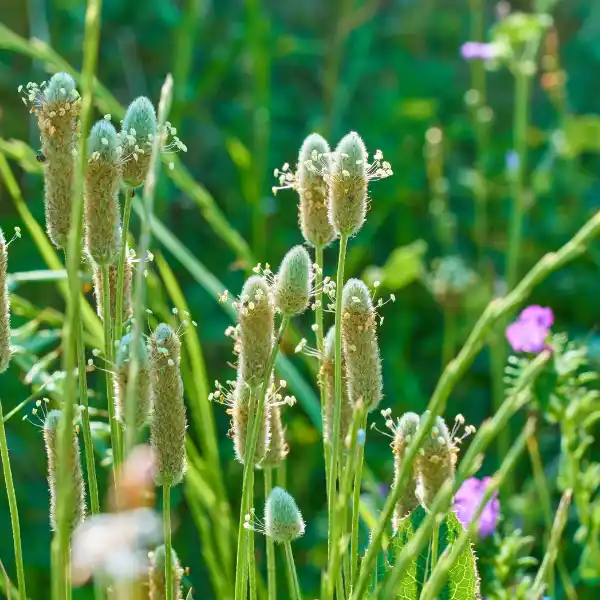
point(295, 591)
point(14, 511)
point(335, 435)
point(118, 330)
point(271, 573)
point(354, 551)
point(167, 536)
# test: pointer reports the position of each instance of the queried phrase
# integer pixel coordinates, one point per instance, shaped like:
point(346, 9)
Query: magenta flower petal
point(529, 333)
point(542, 315)
point(467, 501)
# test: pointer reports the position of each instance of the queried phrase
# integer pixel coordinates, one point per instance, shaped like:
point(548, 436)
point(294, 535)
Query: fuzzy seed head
point(283, 520)
point(405, 430)
point(101, 204)
point(278, 447)
point(158, 588)
point(240, 420)
point(5, 351)
point(112, 281)
point(312, 189)
point(139, 127)
point(359, 343)
point(437, 462)
point(328, 380)
point(255, 315)
point(51, 426)
point(292, 284)
point(121, 376)
point(168, 423)
point(348, 185)
point(57, 110)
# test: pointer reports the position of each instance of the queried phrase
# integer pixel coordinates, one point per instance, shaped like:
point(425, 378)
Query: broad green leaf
point(403, 267)
point(463, 578)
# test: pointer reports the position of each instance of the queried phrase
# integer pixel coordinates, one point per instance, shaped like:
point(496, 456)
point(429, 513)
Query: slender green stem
point(60, 543)
point(115, 434)
point(354, 552)
point(335, 441)
point(435, 538)
point(144, 245)
point(518, 170)
point(271, 573)
point(319, 323)
point(449, 339)
point(257, 408)
point(88, 444)
point(118, 330)
point(295, 591)
point(14, 511)
point(167, 536)
point(544, 574)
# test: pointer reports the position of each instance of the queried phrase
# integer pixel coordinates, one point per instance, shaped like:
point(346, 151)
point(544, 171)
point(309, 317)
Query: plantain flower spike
point(312, 189)
point(255, 312)
point(168, 423)
point(328, 380)
point(101, 207)
point(112, 282)
point(283, 519)
point(142, 403)
point(158, 586)
point(292, 283)
point(5, 351)
point(56, 106)
point(404, 431)
point(51, 427)
point(278, 447)
point(436, 461)
point(137, 134)
point(359, 343)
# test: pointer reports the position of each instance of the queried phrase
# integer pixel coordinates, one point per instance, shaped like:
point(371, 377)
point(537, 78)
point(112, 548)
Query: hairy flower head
point(283, 520)
point(293, 281)
point(158, 585)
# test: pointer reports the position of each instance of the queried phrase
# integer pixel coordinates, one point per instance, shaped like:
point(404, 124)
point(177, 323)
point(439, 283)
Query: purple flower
point(531, 330)
point(467, 501)
point(512, 161)
point(478, 51)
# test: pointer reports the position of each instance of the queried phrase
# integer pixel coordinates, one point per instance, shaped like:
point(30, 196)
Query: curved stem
point(14, 511)
point(295, 591)
point(271, 574)
point(167, 536)
point(129, 194)
point(356, 506)
point(335, 436)
point(115, 436)
point(435, 538)
point(257, 409)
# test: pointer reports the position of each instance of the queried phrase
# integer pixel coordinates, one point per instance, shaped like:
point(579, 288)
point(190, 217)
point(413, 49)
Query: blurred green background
point(252, 79)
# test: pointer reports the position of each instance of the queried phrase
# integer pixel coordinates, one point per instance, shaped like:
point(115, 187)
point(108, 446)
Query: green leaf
point(403, 267)
point(463, 578)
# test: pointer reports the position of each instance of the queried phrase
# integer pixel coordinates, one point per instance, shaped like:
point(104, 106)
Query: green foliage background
point(252, 79)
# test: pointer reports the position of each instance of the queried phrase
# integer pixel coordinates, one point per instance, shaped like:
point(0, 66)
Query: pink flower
point(478, 51)
point(529, 333)
point(467, 501)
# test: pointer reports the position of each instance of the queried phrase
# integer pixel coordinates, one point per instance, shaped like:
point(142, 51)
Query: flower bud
point(312, 189)
point(406, 428)
point(57, 109)
point(283, 520)
point(113, 276)
point(51, 428)
point(348, 185)
point(137, 134)
point(328, 380)
point(142, 400)
point(168, 423)
point(436, 460)
point(359, 343)
point(255, 314)
point(101, 207)
point(4, 307)
point(292, 283)
point(158, 588)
